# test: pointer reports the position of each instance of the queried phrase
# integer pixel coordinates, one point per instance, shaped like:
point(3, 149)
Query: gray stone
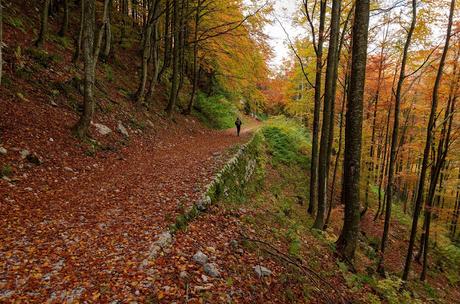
point(234, 244)
point(3, 151)
point(203, 203)
point(164, 239)
point(262, 271)
point(24, 153)
point(122, 129)
point(200, 258)
point(183, 275)
point(211, 270)
point(102, 129)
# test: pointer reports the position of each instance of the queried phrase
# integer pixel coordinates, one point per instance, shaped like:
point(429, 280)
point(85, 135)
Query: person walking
point(238, 124)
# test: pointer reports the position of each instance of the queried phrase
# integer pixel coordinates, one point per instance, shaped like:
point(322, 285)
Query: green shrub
point(215, 111)
point(15, 22)
point(7, 170)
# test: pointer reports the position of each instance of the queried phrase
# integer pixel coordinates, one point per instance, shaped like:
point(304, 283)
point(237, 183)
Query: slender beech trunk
point(370, 164)
point(383, 165)
point(82, 126)
point(43, 24)
point(428, 144)
point(329, 99)
point(346, 244)
point(339, 150)
point(108, 34)
point(155, 63)
point(316, 115)
point(195, 57)
point(147, 50)
point(78, 41)
point(167, 38)
point(394, 140)
point(175, 61)
point(65, 19)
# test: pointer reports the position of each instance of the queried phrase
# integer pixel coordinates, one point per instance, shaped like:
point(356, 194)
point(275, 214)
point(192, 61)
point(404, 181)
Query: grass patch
point(287, 142)
point(15, 22)
point(215, 111)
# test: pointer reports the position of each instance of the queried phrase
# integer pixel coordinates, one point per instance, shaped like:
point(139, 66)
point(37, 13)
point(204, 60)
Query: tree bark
point(78, 41)
point(176, 53)
point(65, 19)
point(329, 99)
point(43, 24)
point(82, 126)
point(346, 244)
point(316, 115)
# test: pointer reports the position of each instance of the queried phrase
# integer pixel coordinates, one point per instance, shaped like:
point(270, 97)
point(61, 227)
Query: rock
point(203, 203)
point(102, 129)
point(68, 169)
point(51, 139)
point(24, 153)
point(164, 239)
point(262, 271)
point(200, 258)
point(6, 178)
point(211, 270)
point(234, 244)
point(54, 104)
point(3, 151)
point(28, 189)
point(183, 275)
point(122, 129)
point(204, 278)
point(211, 249)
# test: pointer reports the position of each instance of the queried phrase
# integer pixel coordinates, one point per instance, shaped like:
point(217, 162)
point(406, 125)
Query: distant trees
point(426, 158)
point(395, 136)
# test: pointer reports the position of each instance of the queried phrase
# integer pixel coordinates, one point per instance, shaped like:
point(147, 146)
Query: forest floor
point(79, 222)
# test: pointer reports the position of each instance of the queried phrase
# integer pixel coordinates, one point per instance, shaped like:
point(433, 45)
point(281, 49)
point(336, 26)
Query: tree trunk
point(316, 115)
point(65, 19)
point(195, 58)
point(346, 244)
point(43, 24)
point(428, 143)
point(76, 55)
point(108, 34)
point(328, 117)
point(82, 126)
point(176, 53)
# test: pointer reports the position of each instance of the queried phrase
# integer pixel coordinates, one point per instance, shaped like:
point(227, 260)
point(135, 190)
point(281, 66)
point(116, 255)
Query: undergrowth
point(216, 111)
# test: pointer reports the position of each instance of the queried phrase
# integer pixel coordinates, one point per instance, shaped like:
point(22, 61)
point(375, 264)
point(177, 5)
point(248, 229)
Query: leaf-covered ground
point(79, 225)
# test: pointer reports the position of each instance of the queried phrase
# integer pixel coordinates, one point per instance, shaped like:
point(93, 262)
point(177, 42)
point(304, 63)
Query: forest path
point(84, 233)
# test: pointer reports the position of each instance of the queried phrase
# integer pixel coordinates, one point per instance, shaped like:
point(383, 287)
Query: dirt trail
point(83, 234)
